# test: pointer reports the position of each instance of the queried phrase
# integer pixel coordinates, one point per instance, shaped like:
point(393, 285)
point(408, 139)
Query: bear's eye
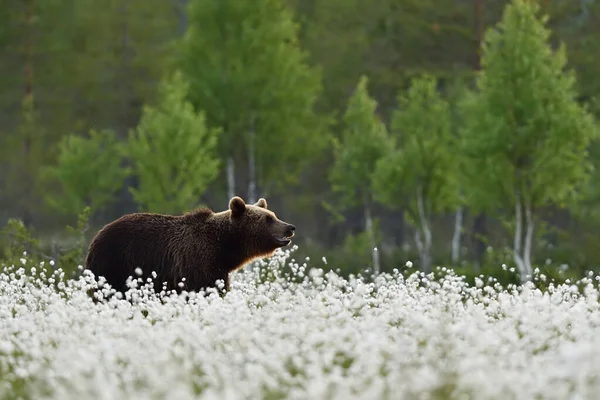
point(270, 218)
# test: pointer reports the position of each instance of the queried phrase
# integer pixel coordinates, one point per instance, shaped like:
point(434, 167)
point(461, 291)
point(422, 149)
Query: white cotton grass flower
point(286, 330)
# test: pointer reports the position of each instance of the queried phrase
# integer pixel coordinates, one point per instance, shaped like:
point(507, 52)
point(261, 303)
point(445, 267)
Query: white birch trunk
point(457, 235)
point(252, 165)
point(528, 238)
point(425, 252)
point(230, 177)
point(419, 243)
point(370, 233)
point(518, 239)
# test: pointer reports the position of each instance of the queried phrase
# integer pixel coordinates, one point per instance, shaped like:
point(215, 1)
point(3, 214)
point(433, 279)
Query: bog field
point(285, 331)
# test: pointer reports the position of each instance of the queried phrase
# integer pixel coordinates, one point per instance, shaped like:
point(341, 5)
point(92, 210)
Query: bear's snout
point(284, 234)
point(291, 229)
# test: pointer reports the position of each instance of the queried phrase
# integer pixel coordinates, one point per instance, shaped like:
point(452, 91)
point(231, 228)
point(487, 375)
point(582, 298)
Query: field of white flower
point(301, 337)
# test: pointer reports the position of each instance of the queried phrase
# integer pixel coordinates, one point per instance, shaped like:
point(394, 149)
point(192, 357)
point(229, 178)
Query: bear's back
point(139, 240)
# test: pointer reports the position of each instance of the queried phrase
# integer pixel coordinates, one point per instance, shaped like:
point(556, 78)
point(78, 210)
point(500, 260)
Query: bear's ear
point(262, 203)
point(237, 206)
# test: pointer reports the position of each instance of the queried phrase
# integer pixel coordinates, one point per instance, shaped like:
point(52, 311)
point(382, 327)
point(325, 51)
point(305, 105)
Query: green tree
point(173, 152)
point(74, 66)
point(88, 172)
point(363, 142)
point(453, 94)
point(33, 115)
point(249, 75)
point(389, 40)
point(36, 60)
point(122, 49)
point(526, 137)
point(420, 173)
point(578, 25)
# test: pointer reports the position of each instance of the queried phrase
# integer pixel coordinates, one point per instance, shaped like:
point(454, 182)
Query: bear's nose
point(292, 228)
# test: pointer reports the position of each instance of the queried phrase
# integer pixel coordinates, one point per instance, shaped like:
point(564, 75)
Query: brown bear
point(201, 246)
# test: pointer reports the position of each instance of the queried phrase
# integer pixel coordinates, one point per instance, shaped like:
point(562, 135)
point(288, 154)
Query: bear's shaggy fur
point(201, 246)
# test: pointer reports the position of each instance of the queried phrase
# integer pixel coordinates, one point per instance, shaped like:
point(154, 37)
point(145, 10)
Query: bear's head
point(258, 227)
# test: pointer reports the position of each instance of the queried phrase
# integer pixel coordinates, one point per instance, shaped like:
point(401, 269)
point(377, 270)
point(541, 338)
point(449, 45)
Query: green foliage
point(35, 53)
point(363, 142)
point(391, 41)
point(24, 153)
point(89, 66)
point(173, 152)
point(17, 242)
point(247, 72)
point(349, 257)
point(585, 207)
point(120, 51)
point(75, 255)
point(88, 172)
point(525, 130)
point(424, 158)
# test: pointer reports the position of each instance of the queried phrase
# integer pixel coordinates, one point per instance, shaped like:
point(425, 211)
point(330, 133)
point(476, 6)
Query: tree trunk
point(28, 122)
point(123, 75)
point(420, 248)
point(457, 234)
point(182, 20)
point(29, 49)
point(477, 244)
point(528, 238)
point(252, 164)
point(479, 228)
point(371, 234)
point(230, 177)
point(425, 252)
point(478, 19)
point(518, 239)
point(125, 116)
point(523, 241)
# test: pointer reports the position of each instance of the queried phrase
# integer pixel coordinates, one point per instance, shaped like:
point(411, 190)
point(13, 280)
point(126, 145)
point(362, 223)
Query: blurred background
point(454, 133)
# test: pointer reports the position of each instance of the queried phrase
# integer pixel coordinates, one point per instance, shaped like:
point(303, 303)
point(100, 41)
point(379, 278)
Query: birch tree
point(420, 173)
point(249, 75)
point(87, 172)
point(454, 93)
point(363, 142)
point(527, 136)
point(174, 154)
